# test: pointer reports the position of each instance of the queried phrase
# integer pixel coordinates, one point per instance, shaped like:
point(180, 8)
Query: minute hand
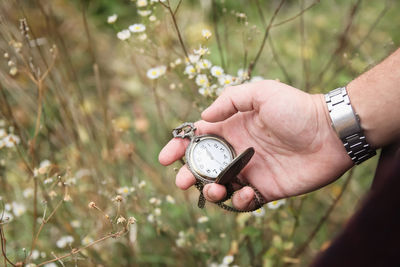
point(211, 156)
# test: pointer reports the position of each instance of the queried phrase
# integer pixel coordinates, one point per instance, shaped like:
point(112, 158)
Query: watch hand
point(209, 154)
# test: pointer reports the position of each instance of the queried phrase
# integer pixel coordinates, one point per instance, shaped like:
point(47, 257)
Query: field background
point(90, 124)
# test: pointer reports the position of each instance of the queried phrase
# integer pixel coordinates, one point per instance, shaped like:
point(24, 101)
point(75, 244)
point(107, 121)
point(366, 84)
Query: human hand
point(296, 149)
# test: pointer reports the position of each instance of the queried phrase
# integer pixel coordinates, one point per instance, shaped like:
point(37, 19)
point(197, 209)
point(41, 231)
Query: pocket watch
point(211, 159)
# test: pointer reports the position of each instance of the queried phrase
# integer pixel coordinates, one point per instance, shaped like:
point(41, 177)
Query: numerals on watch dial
point(210, 156)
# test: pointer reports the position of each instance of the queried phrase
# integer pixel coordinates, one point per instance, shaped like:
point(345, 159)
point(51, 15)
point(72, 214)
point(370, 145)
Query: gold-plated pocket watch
point(211, 159)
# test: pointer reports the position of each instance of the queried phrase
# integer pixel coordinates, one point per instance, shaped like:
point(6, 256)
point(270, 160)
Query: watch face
point(210, 155)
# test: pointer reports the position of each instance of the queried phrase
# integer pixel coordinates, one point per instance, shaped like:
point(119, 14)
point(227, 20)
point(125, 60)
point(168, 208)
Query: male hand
point(296, 149)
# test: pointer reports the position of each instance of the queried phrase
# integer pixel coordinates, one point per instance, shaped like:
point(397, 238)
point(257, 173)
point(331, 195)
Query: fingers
point(184, 178)
point(241, 199)
point(232, 100)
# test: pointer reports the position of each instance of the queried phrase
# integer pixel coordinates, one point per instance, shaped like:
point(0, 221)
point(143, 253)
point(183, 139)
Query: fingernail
point(211, 193)
point(245, 194)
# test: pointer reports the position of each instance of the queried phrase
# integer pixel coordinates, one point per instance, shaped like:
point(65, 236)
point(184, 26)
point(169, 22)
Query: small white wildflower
point(13, 71)
point(243, 74)
point(178, 61)
point(190, 71)
point(170, 199)
point(259, 212)
point(201, 51)
point(142, 37)
point(206, 33)
point(144, 13)
point(155, 201)
point(157, 211)
point(152, 18)
point(11, 140)
point(124, 190)
point(35, 254)
point(131, 220)
point(137, 28)
point(27, 193)
point(31, 264)
point(75, 224)
point(157, 72)
point(87, 240)
point(180, 242)
point(18, 209)
point(203, 219)
point(43, 254)
point(142, 184)
point(51, 264)
point(202, 80)
point(193, 58)
point(124, 35)
point(6, 216)
point(217, 71)
point(82, 173)
point(141, 3)
point(3, 133)
point(203, 64)
point(44, 166)
point(257, 79)
point(150, 218)
point(225, 80)
point(48, 181)
point(121, 220)
point(227, 260)
point(64, 241)
point(112, 19)
point(273, 205)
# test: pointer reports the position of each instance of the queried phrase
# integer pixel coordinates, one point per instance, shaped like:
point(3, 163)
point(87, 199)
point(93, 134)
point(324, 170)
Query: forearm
point(375, 97)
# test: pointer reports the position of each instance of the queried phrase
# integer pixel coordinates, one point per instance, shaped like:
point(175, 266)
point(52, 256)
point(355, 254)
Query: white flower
point(150, 218)
point(257, 79)
point(124, 190)
point(170, 199)
point(206, 33)
point(141, 3)
point(178, 61)
point(75, 223)
point(225, 80)
point(44, 166)
point(194, 58)
point(111, 19)
point(35, 254)
point(27, 193)
point(124, 35)
point(48, 181)
point(3, 133)
point(273, 205)
point(142, 37)
point(87, 240)
point(203, 219)
point(18, 209)
point(202, 80)
point(155, 73)
point(227, 260)
point(142, 184)
point(137, 28)
point(11, 140)
point(155, 201)
point(180, 242)
point(82, 173)
point(121, 220)
point(217, 71)
point(190, 70)
point(51, 264)
point(64, 241)
point(203, 64)
point(243, 74)
point(144, 13)
point(157, 211)
point(259, 213)
point(201, 51)
point(6, 216)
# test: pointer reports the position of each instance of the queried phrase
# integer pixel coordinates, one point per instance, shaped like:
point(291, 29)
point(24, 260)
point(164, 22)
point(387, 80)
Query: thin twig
point(3, 246)
point(295, 16)
point(254, 62)
point(324, 218)
point(217, 36)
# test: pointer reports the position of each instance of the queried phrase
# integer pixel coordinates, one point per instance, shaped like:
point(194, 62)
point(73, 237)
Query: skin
point(297, 150)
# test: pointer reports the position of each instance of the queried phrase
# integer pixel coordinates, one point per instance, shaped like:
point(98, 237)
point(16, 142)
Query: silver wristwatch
point(347, 125)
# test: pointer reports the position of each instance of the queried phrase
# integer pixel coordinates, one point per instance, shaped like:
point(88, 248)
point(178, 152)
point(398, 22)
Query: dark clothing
point(372, 235)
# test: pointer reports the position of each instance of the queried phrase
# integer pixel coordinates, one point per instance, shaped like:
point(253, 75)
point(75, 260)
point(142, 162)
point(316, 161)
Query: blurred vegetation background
point(82, 122)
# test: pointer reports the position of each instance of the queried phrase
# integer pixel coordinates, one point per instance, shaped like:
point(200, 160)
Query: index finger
point(175, 148)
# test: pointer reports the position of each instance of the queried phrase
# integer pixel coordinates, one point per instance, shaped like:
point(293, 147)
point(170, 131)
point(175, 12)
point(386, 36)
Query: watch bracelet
point(347, 125)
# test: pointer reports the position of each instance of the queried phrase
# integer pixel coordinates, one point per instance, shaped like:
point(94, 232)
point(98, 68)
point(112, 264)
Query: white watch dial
point(210, 156)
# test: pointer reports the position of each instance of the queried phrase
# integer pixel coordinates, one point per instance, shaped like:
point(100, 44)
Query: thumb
point(232, 100)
